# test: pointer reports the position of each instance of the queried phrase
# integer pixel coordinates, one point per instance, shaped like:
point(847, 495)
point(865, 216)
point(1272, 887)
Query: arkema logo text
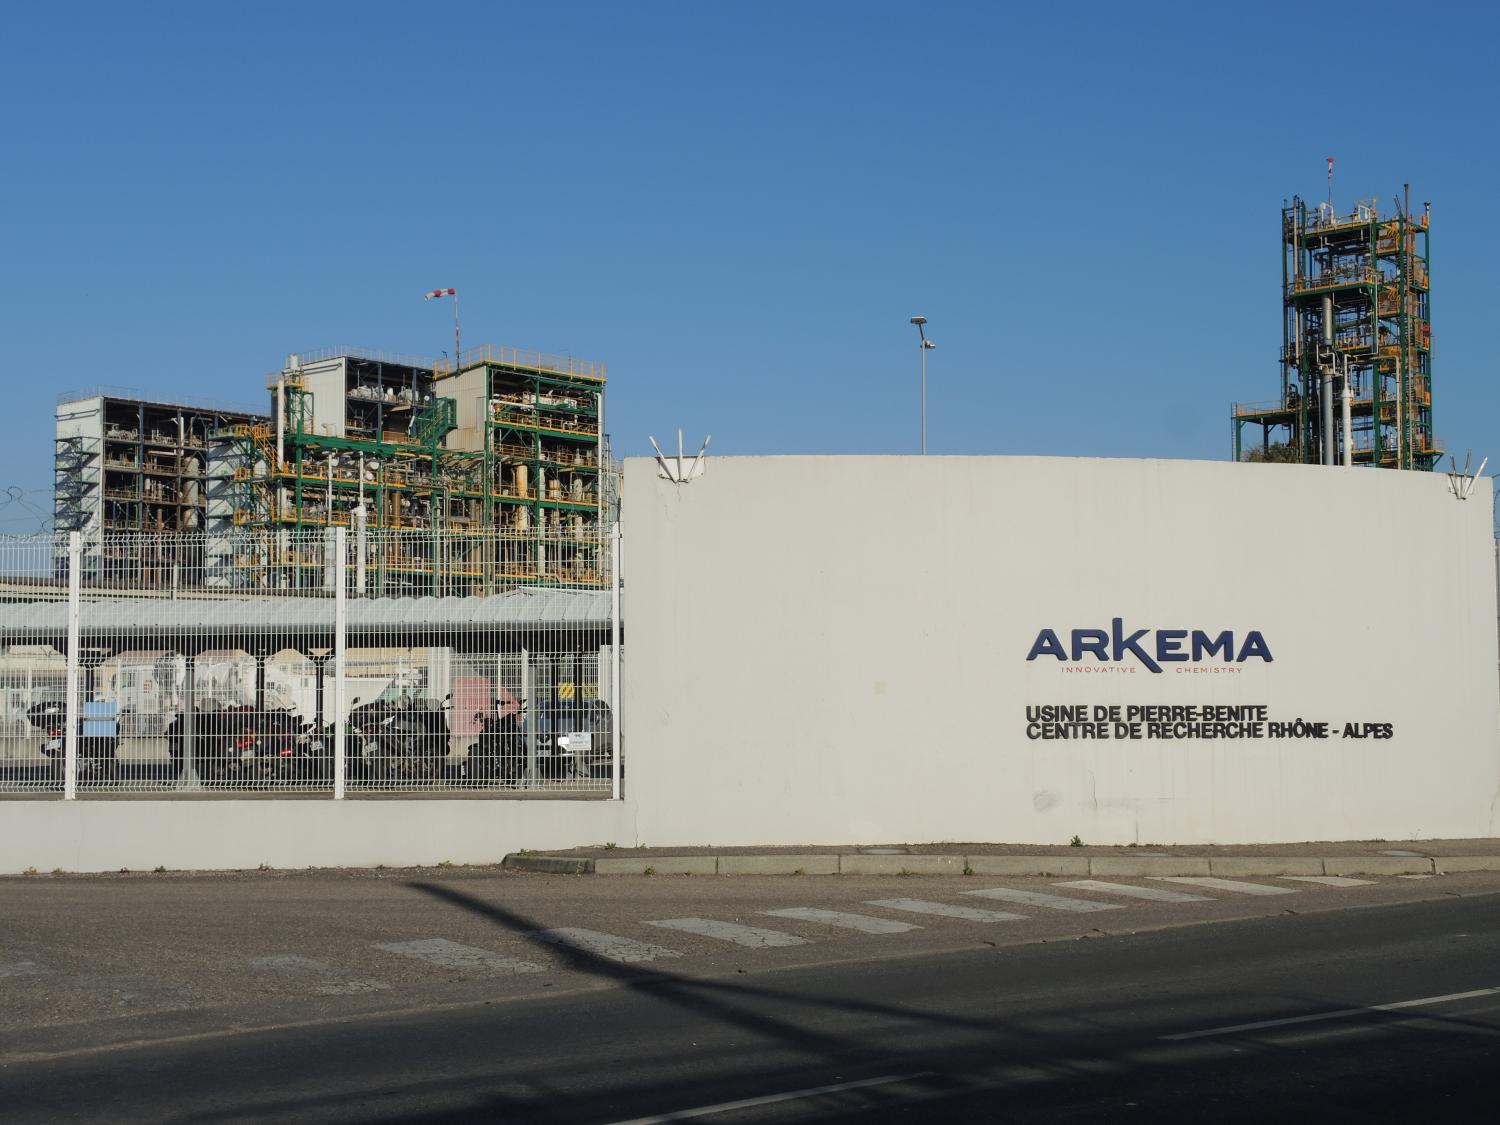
point(1165, 646)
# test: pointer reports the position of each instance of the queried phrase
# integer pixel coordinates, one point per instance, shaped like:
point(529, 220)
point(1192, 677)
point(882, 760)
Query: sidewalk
point(1364, 857)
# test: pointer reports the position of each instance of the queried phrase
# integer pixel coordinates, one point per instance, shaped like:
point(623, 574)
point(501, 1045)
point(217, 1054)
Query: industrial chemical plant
point(493, 469)
point(1356, 347)
point(454, 477)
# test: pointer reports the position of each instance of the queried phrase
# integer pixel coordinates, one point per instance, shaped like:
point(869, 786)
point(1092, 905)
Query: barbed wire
point(15, 508)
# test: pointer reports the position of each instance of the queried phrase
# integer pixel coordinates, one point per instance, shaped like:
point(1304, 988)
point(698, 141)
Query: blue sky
point(736, 207)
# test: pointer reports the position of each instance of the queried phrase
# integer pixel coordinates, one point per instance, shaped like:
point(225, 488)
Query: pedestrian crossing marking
point(452, 955)
point(751, 936)
point(609, 946)
point(946, 910)
point(1046, 902)
point(864, 923)
point(327, 981)
point(1226, 885)
point(1130, 890)
point(1332, 880)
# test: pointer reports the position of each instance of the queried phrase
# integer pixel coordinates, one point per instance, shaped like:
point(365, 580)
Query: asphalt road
point(974, 1019)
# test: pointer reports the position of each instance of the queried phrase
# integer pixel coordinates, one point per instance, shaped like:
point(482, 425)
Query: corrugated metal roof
point(131, 619)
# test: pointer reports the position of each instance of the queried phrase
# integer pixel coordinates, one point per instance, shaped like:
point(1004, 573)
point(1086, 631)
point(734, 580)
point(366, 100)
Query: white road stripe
point(1047, 902)
point(943, 910)
point(864, 923)
point(1341, 1013)
point(288, 963)
point(1130, 890)
point(609, 946)
point(752, 936)
point(1226, 885)
point(771, 1099)
point(328, 980)
point(1332, 880)
point(452, 955)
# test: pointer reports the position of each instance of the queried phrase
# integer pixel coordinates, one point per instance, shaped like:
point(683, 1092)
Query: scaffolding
point(1356, 351)
point(461, 478)
point(128, 474)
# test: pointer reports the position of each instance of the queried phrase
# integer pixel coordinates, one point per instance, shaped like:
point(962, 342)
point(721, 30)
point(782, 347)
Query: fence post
point(614, 661)
point(530, 718)
point(189, 778)
point(74, 708)
point(340, 632)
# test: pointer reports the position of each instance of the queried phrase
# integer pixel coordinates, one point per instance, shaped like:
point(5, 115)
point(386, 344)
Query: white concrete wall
point(469, 391)
point(834, 650)
point(106, 835)
point(325, 381)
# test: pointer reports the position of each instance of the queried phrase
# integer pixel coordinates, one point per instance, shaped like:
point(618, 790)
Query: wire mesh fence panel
point(33, 676)
point(324, 661)
point(473, 661)
point(449, 717)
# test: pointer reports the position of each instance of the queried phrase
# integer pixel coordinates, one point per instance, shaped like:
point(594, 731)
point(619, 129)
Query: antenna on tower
point(679, 469)
point(1462, 481)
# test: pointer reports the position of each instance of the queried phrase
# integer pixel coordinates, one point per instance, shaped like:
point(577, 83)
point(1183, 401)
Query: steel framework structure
point(1356, 353)
point(503, 451)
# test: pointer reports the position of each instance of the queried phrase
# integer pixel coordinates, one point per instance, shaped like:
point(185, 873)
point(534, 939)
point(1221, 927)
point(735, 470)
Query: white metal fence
point(321, 661)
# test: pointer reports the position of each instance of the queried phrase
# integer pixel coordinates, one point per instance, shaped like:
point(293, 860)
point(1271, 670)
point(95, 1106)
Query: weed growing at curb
point(160, 869)
point(649, 870)
point(446, 863)
point(611, 846)
point(967, 869)
point(1075, 842)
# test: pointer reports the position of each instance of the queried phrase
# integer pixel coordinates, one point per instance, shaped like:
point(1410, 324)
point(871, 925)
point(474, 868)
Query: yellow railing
point(528, 420)
point(1250, 409)
point(1347, 275)
point(518, 357)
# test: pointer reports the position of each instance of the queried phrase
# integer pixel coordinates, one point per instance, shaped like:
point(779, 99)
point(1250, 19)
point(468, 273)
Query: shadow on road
point(1037, 1033)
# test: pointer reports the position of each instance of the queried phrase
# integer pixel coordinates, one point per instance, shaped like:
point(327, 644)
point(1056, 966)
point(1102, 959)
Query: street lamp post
point(922, 347)
point(454, 294)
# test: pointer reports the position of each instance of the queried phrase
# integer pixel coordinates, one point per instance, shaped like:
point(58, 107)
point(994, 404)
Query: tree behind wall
point(1278, 453)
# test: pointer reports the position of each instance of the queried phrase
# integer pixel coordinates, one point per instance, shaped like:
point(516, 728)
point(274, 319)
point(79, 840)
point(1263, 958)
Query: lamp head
point(919, 320)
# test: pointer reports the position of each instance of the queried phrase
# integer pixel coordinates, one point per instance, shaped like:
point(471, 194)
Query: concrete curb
point(549, 864)
point(994, 865)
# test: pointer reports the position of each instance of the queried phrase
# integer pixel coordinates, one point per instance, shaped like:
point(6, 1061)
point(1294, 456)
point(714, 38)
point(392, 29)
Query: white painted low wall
point(835, 650)
point(106, 835)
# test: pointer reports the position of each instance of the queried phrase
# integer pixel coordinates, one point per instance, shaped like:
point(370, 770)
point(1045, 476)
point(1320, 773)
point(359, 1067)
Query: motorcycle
point(400, 740)
point(499, 754)
point(568, 741)
point(240, 746)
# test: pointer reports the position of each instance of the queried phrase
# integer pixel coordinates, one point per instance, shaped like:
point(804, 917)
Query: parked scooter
point(51, 719)
point(97, 763)
point(314, 758)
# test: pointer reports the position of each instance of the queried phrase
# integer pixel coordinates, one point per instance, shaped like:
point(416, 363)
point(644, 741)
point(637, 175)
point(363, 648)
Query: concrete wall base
point(238, 835)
